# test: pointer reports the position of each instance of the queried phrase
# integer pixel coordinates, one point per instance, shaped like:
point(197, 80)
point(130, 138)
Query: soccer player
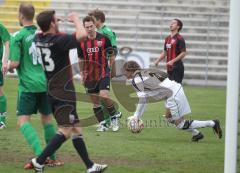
point(94, 54)
point(99, 19)
point(4, 43)
point(156, 84)
point(32, 84)
point(175, 50)
point(53, 50)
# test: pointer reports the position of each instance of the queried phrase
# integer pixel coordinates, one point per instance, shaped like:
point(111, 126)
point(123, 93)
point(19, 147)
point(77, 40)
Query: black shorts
point(96, 86)
point(177, 73)
point(64, 112)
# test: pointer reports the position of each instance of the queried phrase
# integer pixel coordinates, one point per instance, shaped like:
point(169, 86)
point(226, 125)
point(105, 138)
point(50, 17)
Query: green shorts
point(1, 78)
point(30, 103)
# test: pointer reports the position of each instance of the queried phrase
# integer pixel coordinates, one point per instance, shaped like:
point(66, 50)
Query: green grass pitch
point(157, 149)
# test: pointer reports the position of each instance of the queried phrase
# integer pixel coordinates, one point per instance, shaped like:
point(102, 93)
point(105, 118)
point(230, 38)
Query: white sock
point(200, 124)
point(193, 131)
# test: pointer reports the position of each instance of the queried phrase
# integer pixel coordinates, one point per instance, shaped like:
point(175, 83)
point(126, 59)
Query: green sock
point(106, 113)
point(3, 108)
point(106, 116)
point(49, 132)
point(32, 138)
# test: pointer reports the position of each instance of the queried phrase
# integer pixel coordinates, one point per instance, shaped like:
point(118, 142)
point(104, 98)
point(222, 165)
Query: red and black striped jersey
point(173, 47)
point(94, 54)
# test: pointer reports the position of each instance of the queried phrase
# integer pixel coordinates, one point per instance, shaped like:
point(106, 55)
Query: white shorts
point(178, 104)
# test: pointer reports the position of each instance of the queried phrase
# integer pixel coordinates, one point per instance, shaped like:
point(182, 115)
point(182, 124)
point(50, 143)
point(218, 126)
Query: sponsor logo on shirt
point(168, 46)
point(92, 50)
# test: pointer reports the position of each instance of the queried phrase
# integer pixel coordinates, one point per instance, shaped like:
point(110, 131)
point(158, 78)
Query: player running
point(156, 84)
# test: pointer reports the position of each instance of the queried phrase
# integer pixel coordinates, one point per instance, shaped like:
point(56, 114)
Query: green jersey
point(4, 36)
point(30, 72)
point(109, 33)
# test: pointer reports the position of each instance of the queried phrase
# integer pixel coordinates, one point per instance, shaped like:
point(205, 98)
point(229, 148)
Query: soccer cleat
point(217, 128)
point(118, 114)
point(97, 168)
point(115, 121)
point(102, 128)
point(28, 165)
point(114, 124)
point(53, 163)
point(36, 166)
point(197, 137)
point(48, 162)
point(2, 125)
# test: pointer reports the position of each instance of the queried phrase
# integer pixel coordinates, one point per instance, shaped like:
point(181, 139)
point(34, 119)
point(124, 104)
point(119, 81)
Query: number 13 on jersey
point(42, 53)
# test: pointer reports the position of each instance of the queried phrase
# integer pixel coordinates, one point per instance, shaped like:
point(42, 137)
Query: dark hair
point(87, 19)
point(98, 14)
point(27, 10)
point(179, 23)
point(131, 66)
point(44, 19)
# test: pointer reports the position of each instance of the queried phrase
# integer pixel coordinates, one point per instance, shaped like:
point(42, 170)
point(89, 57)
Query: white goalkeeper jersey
point(155, 84)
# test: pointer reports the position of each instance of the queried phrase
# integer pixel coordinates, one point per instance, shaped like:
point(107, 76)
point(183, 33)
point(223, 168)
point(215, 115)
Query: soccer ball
point(135, 125)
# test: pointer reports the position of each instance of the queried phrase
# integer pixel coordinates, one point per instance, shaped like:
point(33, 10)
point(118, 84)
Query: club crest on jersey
point(173, 41)
point(99, 43)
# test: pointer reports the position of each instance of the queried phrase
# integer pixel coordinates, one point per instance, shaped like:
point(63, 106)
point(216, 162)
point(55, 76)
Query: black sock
point(111, 109)
point(80, 146)
point(98, 112)
point(51, 147)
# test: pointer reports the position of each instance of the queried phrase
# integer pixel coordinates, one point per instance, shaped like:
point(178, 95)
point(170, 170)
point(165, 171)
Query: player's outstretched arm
point(80, 30)
point(142, 103)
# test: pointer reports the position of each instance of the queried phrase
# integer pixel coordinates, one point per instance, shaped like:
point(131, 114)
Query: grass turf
point(158, 148)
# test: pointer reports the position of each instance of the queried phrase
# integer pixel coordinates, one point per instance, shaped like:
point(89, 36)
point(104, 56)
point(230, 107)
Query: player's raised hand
point(73, 17)
point(80, 30)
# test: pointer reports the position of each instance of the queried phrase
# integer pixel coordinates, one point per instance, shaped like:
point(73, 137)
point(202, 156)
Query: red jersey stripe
point(97, 65)
point(90, 60)
point(85, 59)
point(104, 61)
